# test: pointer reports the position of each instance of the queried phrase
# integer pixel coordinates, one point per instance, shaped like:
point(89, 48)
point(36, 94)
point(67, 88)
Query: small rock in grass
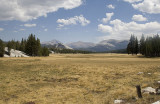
point(158, 102)
point(118, 101)
point(149, 90)
point(149, 73)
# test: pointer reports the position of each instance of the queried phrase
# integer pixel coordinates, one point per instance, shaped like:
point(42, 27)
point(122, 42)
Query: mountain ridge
point(55, 44)
point(102, 46)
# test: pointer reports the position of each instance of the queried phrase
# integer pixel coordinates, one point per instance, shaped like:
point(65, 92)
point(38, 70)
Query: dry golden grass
point(77, 79)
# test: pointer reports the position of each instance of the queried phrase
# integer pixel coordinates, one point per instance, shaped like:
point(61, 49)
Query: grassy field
point(77, 79)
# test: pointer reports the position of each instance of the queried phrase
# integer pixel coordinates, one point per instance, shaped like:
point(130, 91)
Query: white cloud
point(108, 17)
point(73, 21)
point(139, 18)
point(1, 29)
point(25, 10)
point(132, 1)
point(148, 6)
point(45, 29)
point(110, 6)
point(122, 30)
point(30, 25)
point(104, 28)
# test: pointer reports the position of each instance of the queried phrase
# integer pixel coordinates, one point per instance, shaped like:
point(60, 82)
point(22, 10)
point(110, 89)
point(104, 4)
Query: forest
point(149, 46)
point(30, 46)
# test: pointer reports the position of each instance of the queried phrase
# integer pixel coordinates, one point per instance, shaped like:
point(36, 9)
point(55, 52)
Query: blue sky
point(78, 20)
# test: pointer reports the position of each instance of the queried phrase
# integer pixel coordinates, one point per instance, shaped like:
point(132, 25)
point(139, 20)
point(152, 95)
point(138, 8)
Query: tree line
point(66, 51)
point(149, 46)
point(30, 46)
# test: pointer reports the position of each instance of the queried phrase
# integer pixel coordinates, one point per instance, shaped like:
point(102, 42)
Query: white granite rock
point(118, 101)
point(149, 90)
point(158, 102)
point(15, 53)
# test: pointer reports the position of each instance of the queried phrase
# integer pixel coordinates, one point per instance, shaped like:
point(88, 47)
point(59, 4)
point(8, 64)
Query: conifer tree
point(129, 48)
point(1, 48)
point(142, 45)
point(38, 48)
point(136, 47)
point(22, 45)
point(17, 45)
point(9, 45)
point(31, 45)
point(45, 51)
point(132, 47)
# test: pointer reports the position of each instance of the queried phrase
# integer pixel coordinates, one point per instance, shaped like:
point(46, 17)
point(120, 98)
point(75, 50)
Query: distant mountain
point(52, 42)
point(80, 45)
point(55, 44)
point(103, 46)
point(113, 44)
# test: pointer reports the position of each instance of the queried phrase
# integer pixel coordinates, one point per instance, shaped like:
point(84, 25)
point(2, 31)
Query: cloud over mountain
point(122, 30)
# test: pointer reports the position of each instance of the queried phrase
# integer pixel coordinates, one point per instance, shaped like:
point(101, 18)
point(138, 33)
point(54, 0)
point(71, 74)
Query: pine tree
point(30, 48)
point(22, 45)
point(1, 48)
point(9, 45)
point(129, 48)
point(17, 44)
point(142, 45)
point(136, 47)
point(33, 47)
point(148, 46)
point(38, 48)
point(131, 45)
point(45, 51)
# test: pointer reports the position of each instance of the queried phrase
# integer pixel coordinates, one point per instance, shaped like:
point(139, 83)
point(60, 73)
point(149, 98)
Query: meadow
point(77, 79)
